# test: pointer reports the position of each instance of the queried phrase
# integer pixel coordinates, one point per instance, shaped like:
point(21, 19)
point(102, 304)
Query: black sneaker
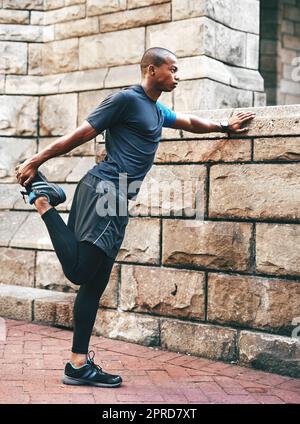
point(40, 186)
point(90, 374)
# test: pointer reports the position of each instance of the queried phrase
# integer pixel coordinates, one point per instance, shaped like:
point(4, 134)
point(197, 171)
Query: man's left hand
point(237, 121)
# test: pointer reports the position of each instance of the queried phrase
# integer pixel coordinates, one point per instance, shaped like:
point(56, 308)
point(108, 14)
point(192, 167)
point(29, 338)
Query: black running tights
point(83, 264)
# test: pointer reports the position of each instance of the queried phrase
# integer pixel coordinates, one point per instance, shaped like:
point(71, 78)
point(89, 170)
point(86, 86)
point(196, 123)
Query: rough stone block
point(17, 267)
point(18, 116)
point(199, 37)
point(193, 151)
point(235, 14)
point(29, 33)
point(35, 59)
point(58, 114)
point(109, 298)
point(230, 45)
point(199, 67)
point(69, 189)
point(270, 353)
point(15, 303)
point(57, 169)
point(12, 151)
point(134, 328)
point(64, 14)
point(206, 94)
point(9, 194)
point(274, 257)
point(54, 308)
point(121, 76)
point(49, 274)
point(37, 18)
point(80, 28)
point(275, 121)
point(10, 222)
point(31, 232)
point(246, 79)
point(14, 17)
point(207, 244)
point(32, 84)
point(135, 18)
point(213, 342)
point(141, 241)
point(54, 84)
point(99, 7)
point(23, 4)
point(163, 291)
point(252, 53)
point(257, 302)
point(13, 58)
point(54, 4)
point(82, 80)
point(171, 190)
point(81, 168)
point(265, 191)
point(106, 49)
point(60, 56)
point(283, 148)
point(48, 33)
point(260, 99)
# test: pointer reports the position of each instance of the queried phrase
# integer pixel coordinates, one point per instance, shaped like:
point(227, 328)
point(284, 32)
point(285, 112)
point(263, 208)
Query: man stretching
point(88, 244)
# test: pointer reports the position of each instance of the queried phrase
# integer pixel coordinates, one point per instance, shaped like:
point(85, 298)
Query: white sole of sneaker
point(79, 382)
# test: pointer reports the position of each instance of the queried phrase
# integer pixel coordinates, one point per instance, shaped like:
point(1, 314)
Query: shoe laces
point(90, 358)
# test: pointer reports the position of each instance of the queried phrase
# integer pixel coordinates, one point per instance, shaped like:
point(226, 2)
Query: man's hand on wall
point(237, 121)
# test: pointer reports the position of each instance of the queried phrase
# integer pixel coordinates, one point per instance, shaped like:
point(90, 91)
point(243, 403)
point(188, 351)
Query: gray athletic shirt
point(133, 124)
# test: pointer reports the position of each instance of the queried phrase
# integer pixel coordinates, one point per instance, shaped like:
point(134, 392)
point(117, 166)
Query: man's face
point(166, 76)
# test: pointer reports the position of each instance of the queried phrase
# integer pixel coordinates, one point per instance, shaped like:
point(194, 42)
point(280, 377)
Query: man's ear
point(151, 70)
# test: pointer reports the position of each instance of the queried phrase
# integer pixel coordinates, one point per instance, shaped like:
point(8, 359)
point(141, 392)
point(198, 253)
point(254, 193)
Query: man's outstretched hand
point(25, 172)
point(237, 121)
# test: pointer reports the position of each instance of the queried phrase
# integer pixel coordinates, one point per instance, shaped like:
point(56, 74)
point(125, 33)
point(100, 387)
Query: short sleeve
point(109, 112)
point(168, 114)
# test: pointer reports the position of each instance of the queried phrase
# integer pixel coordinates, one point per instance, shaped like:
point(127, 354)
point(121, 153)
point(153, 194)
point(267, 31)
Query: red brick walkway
point(33, 356)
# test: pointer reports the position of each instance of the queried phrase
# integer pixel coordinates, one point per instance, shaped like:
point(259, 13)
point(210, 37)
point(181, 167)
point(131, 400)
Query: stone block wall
point(58, 47)
point(220, 286)
point(218, 278)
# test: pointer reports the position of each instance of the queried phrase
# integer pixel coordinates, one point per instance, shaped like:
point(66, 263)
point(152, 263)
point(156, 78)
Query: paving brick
point(40, 352)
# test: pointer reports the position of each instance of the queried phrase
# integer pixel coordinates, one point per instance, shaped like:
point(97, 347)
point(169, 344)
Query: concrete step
point(38, 305)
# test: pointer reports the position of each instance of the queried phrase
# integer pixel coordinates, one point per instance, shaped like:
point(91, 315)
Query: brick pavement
point(33, 356)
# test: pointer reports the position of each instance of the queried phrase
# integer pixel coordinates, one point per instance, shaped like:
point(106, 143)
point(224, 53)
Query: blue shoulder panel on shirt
point(169, 115)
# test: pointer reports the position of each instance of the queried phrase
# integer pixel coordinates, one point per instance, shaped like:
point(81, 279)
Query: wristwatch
point(225, 125)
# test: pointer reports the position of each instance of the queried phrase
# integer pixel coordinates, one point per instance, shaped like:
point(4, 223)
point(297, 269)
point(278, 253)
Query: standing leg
point(86, 306)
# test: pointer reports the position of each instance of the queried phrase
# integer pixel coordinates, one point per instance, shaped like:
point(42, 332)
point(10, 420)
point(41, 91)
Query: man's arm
point(194, 124)
point(27, 170)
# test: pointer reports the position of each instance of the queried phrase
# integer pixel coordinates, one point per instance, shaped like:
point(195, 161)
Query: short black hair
point(155, 56)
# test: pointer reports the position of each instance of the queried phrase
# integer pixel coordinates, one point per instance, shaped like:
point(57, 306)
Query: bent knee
point(75, 278)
